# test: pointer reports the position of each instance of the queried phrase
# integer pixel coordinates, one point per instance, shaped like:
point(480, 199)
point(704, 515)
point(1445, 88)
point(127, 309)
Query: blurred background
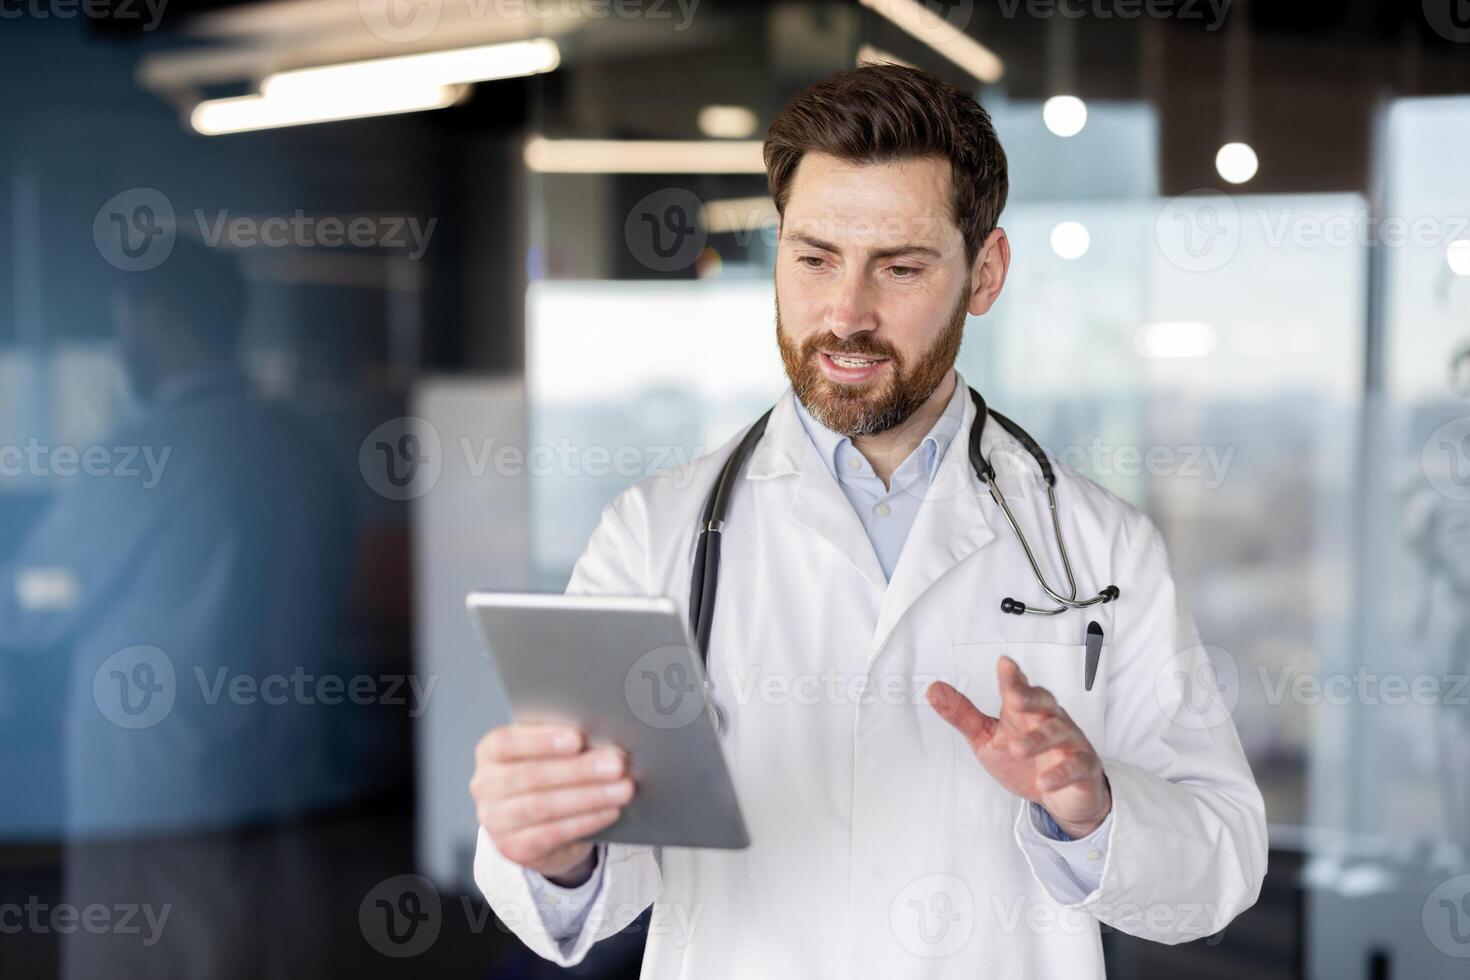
point(318, 314)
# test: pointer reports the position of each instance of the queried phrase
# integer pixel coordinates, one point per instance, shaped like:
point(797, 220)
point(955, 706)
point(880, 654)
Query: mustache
point(855, 346)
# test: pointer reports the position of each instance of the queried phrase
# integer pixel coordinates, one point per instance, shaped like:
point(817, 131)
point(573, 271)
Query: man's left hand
point(1034, 749)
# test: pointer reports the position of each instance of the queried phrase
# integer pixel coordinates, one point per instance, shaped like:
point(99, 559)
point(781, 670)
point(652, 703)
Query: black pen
point(1094, 653)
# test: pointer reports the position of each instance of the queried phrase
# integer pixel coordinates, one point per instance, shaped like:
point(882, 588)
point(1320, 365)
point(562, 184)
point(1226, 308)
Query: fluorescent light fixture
point(1064, 115)
point(1182, 338)
point(869, 55)
point(947, 39)
point(1236, 162)
point(1069, 239)
point(458, 66)
point(727, 121)
point(644, 156)
point(251, 112)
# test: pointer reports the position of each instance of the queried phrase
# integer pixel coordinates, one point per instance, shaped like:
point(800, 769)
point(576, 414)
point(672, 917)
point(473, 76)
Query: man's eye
point(811, 261)
point(903, 271)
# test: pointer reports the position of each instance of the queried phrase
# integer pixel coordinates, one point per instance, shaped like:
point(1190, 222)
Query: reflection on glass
point(162, 615)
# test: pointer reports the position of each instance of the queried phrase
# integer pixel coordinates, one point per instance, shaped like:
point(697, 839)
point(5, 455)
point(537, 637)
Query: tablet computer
point(624, 671)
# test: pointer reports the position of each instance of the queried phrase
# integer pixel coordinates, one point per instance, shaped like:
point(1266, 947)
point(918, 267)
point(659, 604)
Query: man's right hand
point(539, 787)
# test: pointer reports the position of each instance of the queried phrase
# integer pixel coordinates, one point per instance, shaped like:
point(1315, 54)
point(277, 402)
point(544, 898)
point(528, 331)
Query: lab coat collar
point(818, 503)
point(777, 452)
point(949, 528)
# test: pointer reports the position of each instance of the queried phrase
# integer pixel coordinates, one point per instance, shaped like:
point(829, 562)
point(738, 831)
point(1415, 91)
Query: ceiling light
point(1069, 239)
point(741, 216)
point(644, 156)
point(1064, 115)
point(1185, 338)
point(917, 20)
point(458, 66)
point(1458, 256)
point(1236, 162)
point(727, 121)
point(251, 112)
point(869, 55)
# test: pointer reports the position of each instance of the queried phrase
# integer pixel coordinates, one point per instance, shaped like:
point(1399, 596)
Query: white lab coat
point(880, 846)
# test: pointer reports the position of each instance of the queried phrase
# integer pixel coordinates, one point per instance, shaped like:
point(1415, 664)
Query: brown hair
point(883, 112)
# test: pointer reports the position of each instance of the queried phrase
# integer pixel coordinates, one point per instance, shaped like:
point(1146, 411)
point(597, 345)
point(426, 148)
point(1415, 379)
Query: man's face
point(872, 289)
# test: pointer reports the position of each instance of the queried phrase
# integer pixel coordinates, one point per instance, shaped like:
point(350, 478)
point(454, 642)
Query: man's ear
point(988, 273)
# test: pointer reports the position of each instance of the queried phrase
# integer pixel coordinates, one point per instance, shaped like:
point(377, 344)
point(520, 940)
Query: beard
point(876, 406)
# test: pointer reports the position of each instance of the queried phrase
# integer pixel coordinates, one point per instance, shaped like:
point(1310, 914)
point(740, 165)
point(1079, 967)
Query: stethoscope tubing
point(704, 581)
point(1069, 601)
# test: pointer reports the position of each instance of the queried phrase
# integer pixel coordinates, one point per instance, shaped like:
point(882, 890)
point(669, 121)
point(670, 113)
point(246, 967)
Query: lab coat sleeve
point(1074, 862)
point(626, 884)
point(1184, 848)
point(565, 909)
point(628, 877)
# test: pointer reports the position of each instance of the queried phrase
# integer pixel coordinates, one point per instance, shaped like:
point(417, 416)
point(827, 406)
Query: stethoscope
point(712, 526)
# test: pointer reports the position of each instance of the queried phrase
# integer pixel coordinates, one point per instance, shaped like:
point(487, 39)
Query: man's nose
point(851, 310)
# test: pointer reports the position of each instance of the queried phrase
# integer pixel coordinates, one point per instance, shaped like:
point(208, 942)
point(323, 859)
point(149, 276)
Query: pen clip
point(1094, 653)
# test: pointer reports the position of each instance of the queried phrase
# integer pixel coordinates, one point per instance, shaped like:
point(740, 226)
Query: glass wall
point(1390, 816)
point(1201, 357)
point(1416, 579)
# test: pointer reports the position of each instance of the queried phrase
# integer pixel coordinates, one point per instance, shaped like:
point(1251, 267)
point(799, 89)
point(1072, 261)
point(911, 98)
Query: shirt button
point(1094, 855)
point(854, 463)
point(883, 510)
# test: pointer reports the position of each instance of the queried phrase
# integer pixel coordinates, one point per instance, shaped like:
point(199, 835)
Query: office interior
point(439, 320)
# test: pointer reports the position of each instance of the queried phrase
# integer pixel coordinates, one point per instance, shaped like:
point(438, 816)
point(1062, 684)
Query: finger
point(531, 843)
point(593, 766)
point(1075, 768)
point(1008, 673)
point(547, 806)
point(1018, 694)
point(528, 741)
point(1054, 732)
point(975, 725)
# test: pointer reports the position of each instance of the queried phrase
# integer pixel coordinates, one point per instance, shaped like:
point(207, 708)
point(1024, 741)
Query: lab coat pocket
point(1059, 668)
